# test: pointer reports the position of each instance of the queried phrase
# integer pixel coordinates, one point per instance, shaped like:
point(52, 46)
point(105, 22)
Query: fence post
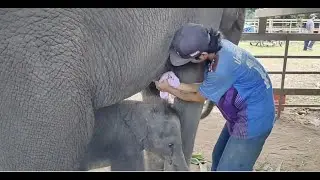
point(290, 26)
point(284, 67)
point(262, 25)
point(270, 30)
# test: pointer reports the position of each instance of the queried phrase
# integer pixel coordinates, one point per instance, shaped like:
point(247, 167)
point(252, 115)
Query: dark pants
point(233, 154)
point(308, 44)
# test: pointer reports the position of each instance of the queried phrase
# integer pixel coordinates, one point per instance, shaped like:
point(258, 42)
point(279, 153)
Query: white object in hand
point(173, 81)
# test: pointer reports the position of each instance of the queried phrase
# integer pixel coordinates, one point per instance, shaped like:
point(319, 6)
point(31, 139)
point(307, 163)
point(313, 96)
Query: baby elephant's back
point(110, 119)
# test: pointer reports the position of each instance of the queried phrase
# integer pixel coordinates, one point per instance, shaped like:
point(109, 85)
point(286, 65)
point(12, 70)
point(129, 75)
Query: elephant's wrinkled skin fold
point(58, 66)
point(231, 25)
point(124, 130)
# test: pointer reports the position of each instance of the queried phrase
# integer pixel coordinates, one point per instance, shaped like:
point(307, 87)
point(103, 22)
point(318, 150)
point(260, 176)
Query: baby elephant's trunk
point(176, 162)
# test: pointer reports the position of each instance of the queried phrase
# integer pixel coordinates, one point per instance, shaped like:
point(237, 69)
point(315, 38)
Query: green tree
point(250, 13)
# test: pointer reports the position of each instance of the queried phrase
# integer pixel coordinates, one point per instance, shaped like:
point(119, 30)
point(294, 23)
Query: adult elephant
point(58, 66)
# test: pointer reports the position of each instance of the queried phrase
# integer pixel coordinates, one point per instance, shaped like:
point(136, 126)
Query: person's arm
point(184, 95)
point(189, 87)
point(312, 27)
point(212, 88)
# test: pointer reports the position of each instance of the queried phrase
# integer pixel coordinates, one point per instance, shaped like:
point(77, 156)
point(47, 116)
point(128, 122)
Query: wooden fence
point(287, 37)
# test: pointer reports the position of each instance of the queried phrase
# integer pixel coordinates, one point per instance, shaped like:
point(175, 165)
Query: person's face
point(205, 56)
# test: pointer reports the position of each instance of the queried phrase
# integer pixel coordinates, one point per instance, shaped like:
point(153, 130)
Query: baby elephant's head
point(164, 135)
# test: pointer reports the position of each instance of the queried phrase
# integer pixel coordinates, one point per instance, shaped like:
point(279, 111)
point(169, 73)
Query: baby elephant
point(124, 130)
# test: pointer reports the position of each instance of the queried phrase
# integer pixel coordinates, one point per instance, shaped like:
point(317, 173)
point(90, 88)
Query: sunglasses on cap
point(196, 57)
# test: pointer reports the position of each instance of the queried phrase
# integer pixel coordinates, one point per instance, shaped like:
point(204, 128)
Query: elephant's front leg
point(189, 117)
point(189, 112)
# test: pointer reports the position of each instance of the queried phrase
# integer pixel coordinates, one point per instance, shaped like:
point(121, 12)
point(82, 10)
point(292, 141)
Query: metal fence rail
point(282, 91)
point(285, 25)
point(287, 37)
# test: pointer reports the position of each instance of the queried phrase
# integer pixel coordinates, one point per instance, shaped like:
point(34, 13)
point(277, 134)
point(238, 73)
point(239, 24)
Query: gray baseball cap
point(188, 42)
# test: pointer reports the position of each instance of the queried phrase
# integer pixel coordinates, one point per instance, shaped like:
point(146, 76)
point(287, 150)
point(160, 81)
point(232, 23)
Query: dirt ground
point(293, 144)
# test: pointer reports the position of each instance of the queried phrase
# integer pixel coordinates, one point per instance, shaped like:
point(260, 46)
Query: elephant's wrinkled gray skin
point(122, 131)
point(232, 22)
point(58, 66)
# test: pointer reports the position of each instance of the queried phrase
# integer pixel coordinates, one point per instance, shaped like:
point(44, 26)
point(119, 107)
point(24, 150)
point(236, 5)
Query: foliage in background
point(250, 13)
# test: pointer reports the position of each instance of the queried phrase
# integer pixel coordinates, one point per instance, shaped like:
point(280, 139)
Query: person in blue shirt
point(237, 83)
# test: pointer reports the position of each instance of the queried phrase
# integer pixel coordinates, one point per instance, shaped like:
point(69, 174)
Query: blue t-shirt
point(242, 90)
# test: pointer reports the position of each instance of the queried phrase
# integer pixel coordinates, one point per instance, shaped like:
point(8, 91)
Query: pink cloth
point(173, 81)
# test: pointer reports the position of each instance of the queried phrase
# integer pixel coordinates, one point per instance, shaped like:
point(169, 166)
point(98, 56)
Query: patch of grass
point(295, 49)
point(197, 158)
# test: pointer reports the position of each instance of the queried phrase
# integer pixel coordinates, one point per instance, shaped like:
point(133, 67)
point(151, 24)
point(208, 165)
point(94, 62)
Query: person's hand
point(162, 86)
